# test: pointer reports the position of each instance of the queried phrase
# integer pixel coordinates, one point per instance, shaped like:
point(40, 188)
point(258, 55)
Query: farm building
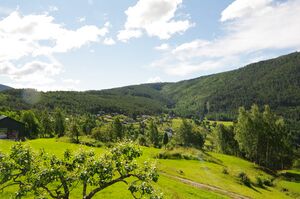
point(11, 129)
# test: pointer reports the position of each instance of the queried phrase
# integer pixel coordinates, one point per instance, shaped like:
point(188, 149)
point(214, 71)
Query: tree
point(103, 133)
point(117, 129)
point(32, 125)
point(59, 124)
point(188, 135)
point(264, 137)
point(153, 134)
point(88, 124)
point(166, 139)
point(74, 131)
point(226, 143)
point(46, 124)
point(49, 176)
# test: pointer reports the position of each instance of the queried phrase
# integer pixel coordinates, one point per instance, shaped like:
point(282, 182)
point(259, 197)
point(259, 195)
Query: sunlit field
point(207, 171)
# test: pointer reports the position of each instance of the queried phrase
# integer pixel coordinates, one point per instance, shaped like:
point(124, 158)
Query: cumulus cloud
point(162, 47)
point(36, 37)
point(242, 8)
point(109, 41)
point(155, 17)
point(251, 28)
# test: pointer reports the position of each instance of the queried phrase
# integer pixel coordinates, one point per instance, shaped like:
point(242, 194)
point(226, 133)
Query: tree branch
point(100, 188)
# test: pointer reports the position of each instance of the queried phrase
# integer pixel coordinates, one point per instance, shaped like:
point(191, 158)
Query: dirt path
point(207, 187)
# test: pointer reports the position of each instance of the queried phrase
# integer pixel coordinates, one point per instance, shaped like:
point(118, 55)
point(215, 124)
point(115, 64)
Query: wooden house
point(11, 129)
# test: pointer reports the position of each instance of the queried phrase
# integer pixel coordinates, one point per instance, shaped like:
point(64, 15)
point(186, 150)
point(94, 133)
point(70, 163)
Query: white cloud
point(35, 71)
point(5, 10)
point(162, 47)
point(71, 81)
point(156, 17)
point(109, 41)
point(31, 37)
point(53, 8)
point(154, 80)
point(242, 8)
point(81, 19)
point(251, 27)
point(125, 35)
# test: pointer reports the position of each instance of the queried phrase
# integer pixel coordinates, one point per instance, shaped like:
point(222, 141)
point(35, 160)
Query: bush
point(244, 179)
point(268, 182)
point(259, 182)
point(296, 164)
point(180, 153)
point(225, 171)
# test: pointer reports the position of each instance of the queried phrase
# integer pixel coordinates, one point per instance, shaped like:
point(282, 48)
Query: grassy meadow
point(207, 169)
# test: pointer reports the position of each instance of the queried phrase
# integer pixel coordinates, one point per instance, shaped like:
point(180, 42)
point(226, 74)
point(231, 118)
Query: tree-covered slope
point(3, 87)
point(140, 99)
point(275, 82)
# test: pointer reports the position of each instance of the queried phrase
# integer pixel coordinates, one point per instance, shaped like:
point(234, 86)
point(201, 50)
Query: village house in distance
point(11, 129)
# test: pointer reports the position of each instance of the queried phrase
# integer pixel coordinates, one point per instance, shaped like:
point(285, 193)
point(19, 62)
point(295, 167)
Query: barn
point(11, 129)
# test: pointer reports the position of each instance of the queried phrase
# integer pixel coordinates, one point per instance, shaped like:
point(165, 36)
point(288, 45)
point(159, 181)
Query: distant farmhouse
point(11, 129)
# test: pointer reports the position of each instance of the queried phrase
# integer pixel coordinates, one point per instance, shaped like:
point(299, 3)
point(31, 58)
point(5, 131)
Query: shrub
point(225, 171)
point(268, 182)
point(259, 182)
point(244, 179)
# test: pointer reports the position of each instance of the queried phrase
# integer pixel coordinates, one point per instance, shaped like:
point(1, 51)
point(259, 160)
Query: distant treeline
point(275, 82)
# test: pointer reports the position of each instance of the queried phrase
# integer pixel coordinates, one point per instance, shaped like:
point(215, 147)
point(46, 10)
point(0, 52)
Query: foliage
point(49, 176)
point(59, 124)
point(226, 143)
point(263, 137)
point(243, 177)
point(188, 135)
point(153, 133)
point(32, 125)
point(117, 129)
point(165, 139)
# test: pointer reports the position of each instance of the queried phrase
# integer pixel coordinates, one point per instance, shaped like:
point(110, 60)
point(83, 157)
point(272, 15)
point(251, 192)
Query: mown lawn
point(197, 170)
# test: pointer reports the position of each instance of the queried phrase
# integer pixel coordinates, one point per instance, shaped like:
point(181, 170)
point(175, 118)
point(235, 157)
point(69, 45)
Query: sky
point(99, 44)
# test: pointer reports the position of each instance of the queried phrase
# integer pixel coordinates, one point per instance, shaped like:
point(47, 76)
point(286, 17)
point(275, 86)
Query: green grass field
point(196, 170)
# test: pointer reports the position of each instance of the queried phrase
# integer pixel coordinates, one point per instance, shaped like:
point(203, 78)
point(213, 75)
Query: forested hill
point(3, 87)
point(275, 82)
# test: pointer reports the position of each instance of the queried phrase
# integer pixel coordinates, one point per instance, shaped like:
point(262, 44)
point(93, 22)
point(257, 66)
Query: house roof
point(2, 117)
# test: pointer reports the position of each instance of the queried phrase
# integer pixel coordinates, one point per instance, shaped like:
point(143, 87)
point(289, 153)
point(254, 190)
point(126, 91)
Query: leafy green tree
point(74, 131)
point(103, 133)
point(153, 133)
point(32, 125)
point(59, 124)
point(117, 129)
point(264, 138)
point(188, 135)
point(46, 124)
point(166, 139)
point(226, 143)
point(88, 124)
point(47, 176)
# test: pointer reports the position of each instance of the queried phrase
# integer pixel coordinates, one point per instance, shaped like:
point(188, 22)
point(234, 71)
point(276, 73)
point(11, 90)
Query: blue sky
point(98, 44)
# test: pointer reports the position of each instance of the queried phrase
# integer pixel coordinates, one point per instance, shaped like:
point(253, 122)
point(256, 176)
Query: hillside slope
point(139, 99)
point(275, 82)
point(3, 87)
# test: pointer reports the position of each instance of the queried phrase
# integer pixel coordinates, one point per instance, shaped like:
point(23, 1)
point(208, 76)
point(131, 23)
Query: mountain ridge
point(275, 82)
point(4, 87)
